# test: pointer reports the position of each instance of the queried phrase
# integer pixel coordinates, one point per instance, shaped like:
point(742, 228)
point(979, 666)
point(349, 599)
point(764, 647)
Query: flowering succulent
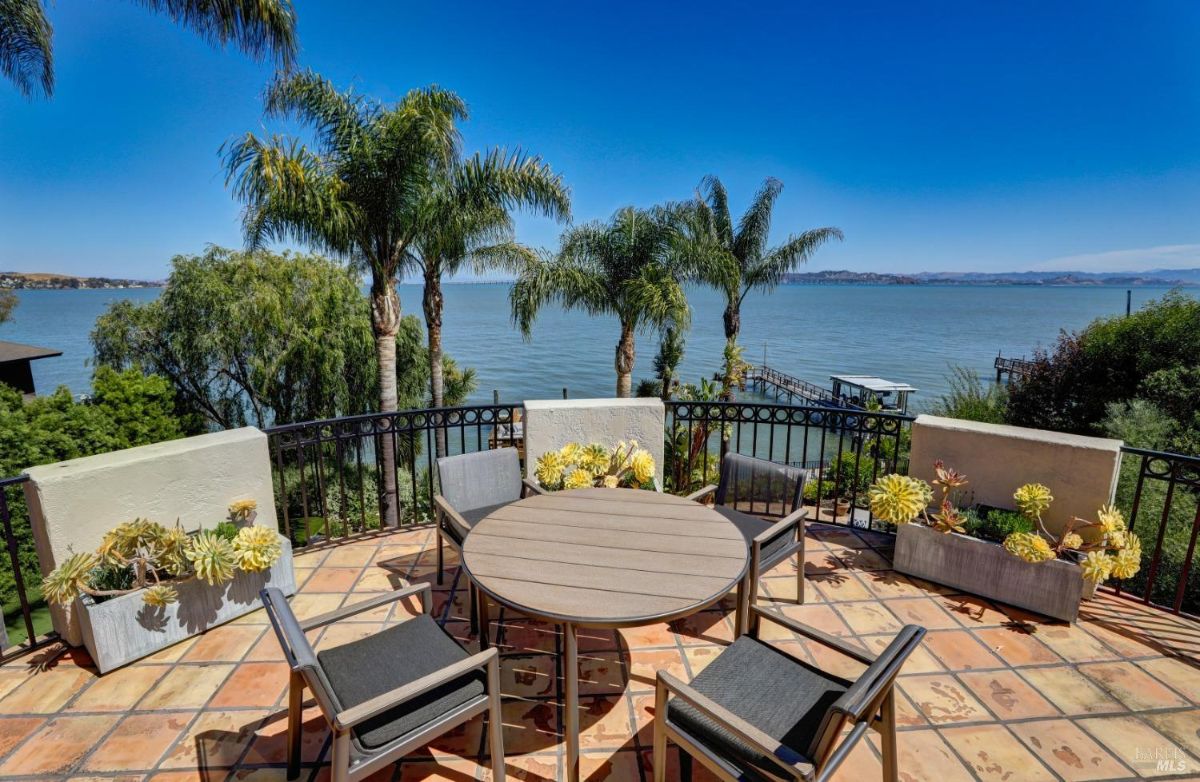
point(899, 499)
point(1029, 546)
point(1110, 549)
point(257, 548)
point(70, 578)
point(642, 464)
point(578, 478)
point(549, 469)
point(212, 557)
point(240, 511)
point(1033, 499)
point(160, 595)
point(576, 466)
point(1097, 566)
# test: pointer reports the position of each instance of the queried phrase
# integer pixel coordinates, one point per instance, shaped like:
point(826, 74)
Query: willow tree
point(467, 223)
point(626, 267)
point(738, 260)
point(260, 28)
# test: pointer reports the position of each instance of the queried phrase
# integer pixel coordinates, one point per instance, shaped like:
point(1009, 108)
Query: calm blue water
point(906, 334)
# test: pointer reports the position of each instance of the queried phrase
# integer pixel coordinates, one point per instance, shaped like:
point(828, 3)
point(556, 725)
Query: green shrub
point(814, 491)
point(994, 523)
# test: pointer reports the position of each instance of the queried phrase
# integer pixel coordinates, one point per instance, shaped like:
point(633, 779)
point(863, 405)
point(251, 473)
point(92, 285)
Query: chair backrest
point(297, 651)
point(476, 480)
point(759, 486)
point(862, 700)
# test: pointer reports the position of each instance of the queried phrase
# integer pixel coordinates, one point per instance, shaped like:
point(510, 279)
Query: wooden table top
point(605, 557)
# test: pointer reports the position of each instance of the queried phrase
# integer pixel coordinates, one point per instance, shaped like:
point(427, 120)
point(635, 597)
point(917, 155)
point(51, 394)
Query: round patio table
point(602, 558)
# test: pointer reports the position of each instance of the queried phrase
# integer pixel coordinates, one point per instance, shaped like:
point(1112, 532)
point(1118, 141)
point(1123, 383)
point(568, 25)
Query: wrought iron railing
point(26, 620)
point(343, 476)
point(1159, 493)
point(843, 450)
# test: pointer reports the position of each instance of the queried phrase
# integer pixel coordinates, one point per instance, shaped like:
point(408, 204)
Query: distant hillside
point(1115, 279)
point(50, 281)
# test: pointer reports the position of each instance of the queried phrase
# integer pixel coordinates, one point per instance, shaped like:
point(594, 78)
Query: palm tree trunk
point(624, 362)
point(733, 320)
point(385, 321)
point(432, 301)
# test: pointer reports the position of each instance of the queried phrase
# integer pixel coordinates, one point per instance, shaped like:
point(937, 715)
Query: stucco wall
point(552, 423)
point(1081, 472)
point(73, 503)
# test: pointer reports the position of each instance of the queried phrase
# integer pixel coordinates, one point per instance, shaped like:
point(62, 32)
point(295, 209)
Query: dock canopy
point(857, 389)
point(14, 364)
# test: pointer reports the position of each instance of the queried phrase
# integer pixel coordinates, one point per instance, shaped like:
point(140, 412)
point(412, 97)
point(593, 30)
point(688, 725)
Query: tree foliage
point(261, 28)
point(8, 303)
point(259, 338)
point(1153, 354)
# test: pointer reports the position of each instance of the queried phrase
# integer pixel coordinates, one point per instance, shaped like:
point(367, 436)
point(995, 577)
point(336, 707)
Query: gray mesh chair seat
point(388, 694)
point(395, 657)
point(472, 485)
point(759, 713)
point(749, 489)
point(783, 698)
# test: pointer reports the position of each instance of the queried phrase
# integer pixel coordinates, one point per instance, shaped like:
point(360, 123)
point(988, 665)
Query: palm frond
point(750, 241)
point(260, 28)
point(27, 46)
point(716, 200)
point(545, 279)
point(289, 193)
point(656, 299)
point(338, 118)
point(768, 272)
point(511, 180)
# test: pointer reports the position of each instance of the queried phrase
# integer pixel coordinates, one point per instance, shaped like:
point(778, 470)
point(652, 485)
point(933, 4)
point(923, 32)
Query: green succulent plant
point(160, 595)
point(212, 557)
point(69, 579)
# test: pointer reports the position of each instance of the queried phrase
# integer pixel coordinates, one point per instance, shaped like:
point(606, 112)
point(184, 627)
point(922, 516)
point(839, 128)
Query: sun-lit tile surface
point(993, 694)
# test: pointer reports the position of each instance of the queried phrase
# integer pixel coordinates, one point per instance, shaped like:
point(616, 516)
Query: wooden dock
point(1012, 368)
point(772, 382)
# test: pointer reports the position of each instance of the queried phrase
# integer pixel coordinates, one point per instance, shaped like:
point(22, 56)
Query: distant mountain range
point(1157, 277)
point(50, 281)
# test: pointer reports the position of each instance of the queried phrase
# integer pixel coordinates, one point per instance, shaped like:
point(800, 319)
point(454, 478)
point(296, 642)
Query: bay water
point(911, 334)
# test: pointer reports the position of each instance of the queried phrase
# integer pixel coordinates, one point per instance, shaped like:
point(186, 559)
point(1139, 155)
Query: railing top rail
point(1175, 457)
point(795, 409)
point(442, 411)
point(13, 480)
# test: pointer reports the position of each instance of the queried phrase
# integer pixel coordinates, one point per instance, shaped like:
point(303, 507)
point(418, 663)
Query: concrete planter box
point(984, 568)
point(123, 629)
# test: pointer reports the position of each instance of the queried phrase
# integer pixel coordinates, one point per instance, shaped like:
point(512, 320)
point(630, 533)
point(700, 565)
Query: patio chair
point(387, 694)
point(759, 713)
point(472, 486)
point(750, 486)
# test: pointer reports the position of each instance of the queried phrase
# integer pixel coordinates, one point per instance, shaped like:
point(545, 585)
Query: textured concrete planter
point(124, 629)
point(984, 568)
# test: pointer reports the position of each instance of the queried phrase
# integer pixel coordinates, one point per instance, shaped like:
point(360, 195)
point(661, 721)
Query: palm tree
point(467, 224)
point(257, 27)
point(627, 267)
point(737, 261)
point(364, 192)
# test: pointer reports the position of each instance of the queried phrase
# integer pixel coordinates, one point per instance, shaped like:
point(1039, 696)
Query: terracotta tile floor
point(994, 694)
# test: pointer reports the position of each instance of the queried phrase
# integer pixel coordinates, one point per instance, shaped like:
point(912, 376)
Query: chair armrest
point(790, 762)
point(341, 613)
point(443, 506)
point(388, 700)
point(700, 494)
point(794, 519)
point(833, 642)
point(530, 487)
point(842, 752)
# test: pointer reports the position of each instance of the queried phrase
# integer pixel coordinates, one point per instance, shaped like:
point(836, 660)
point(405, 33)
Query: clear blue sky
point(976, 136)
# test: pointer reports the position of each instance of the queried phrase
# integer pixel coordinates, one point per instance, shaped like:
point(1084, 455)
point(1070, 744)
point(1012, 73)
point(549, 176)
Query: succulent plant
point(257, 548)
point(642, 465)
point(578, 478)
point(130, 540)
point(1033, 499)
point(69, 579)
point(212, 557)
point(899, 499)
point(241, 511)
point(1029, 546)
point(160, 595)
point(549, 469)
